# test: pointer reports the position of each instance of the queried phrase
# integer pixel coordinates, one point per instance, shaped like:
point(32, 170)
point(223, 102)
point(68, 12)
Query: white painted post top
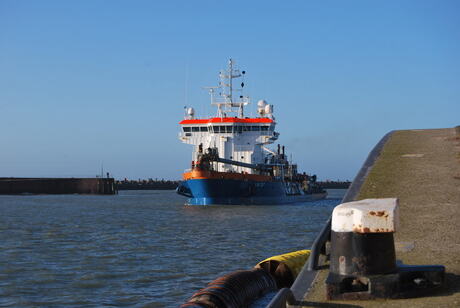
point(366, 216)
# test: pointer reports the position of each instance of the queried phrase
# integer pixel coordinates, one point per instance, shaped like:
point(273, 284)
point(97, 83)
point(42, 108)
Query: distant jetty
point(151, 184)
point(100, 186)
point(91, 186)
point(335, 184)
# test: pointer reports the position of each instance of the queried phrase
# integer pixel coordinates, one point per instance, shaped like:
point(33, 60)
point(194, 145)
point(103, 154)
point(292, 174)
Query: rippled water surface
point(138, 248)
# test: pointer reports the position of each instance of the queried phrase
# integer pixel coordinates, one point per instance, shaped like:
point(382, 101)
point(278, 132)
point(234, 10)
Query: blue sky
point(85, 83)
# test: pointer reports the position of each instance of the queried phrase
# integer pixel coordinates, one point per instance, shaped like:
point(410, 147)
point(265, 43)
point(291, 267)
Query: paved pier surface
point(422, 169)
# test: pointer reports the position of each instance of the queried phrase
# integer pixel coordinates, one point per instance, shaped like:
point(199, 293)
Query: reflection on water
point(139, 248)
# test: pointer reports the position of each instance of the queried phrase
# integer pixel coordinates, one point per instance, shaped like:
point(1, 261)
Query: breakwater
point(334, 184)
point(93, 186)
point(146, 184)
point(151, 184)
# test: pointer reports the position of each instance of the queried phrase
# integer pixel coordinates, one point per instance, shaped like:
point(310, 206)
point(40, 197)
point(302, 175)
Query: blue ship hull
point(240, 192)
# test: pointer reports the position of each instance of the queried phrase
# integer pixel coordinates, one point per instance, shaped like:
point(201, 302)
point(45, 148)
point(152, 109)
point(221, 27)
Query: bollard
point(363, 260)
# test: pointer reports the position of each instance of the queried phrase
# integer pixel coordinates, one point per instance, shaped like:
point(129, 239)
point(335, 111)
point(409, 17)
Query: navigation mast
point(226, 106)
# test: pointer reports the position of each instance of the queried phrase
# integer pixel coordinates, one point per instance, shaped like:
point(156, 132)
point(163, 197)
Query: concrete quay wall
point(422, 169)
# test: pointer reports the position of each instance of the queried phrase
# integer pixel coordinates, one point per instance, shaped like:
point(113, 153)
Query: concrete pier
point(94, 186)
point(422, 169)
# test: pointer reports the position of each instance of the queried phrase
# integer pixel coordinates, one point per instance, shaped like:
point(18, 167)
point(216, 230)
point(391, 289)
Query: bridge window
point(224, 129)
point(195, 129)
point(264, 128)
point(246, 128)
point(186, 129)
point(203, 129)
point(255, 128)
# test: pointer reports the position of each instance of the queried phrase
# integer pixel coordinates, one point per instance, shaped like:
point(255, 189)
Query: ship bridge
point(234, 136)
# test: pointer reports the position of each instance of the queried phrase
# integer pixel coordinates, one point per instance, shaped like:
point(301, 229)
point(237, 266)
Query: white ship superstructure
point(235, 136)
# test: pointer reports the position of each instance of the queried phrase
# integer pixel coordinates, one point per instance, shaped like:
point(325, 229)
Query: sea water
point(138, 248)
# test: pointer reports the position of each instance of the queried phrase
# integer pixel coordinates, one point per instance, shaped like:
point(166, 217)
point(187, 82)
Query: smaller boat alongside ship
point(230, 161)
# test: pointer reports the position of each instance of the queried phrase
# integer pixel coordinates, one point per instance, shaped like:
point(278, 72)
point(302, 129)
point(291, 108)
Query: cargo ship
point(231, 162)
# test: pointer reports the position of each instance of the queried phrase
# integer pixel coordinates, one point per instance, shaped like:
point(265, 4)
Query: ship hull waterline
point(240, 192)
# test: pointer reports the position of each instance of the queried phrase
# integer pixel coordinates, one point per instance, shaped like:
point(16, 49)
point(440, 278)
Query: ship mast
point(226, 106)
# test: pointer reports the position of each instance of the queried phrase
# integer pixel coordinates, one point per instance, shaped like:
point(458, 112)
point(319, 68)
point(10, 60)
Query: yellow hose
point(293, 260)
